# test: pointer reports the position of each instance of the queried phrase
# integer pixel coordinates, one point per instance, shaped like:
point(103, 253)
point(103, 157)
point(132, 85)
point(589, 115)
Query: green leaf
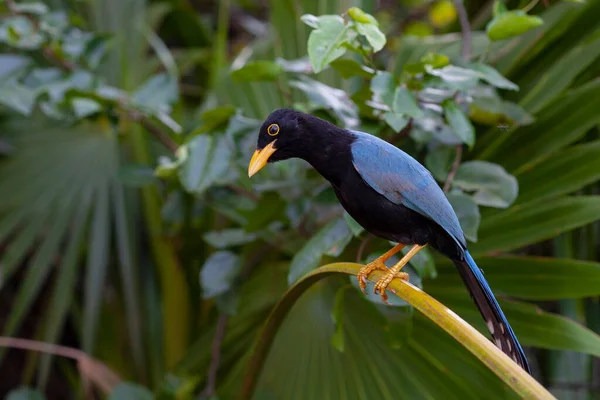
point(405, 103)
point(354, 226)
point(350, 68)
point(562, 73)
point(218, 273)
point(456, 77)
point(560, 124)
point(360, 16)
point(130, 391)
point(550, 331)
point(493, 77)
point(383, 86)
point(565, 172)
point(374, 36)
point(439, 161)
point(539, 278)
point(337, 316)
point(530, 223)
point(30, 8)
point(330, 98)
point(396, 121)
point(84, 107)
point(25, 394)
point(326, 41)
point(157, 93)
point(510, 24)
point(492, 185)
point(228, 238)
point(17, 97)
point(435, 60)
point(331, 240)
point(257, 71)
point(136, 175)
point(207, 163)
point(467, 211)
point(459, 122)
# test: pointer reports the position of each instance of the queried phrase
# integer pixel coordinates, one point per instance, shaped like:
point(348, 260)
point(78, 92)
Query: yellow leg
point(394, 272)
point(379, 263)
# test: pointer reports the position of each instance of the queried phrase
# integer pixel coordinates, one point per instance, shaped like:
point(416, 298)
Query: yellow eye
point(273, 130)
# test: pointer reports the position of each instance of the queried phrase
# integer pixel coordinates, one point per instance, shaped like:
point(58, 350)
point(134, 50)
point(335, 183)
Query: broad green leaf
point(565, 121)
point(337, 316)
point(510, 24)
point(85, 107)
point(30, 8)
point(405, 103)
point(257, 71)
point(354, 226)
point(11, 64)
point(349, 68)
point(530, 223)
point(136, 175)
point(396, 121)
point(330, 98)
point(459, 122)
point(491, 184)
point(562, 73)
point(360, 16)
point(25, 393)
point(228, 237)
point(218, 273)
point(207, 163)
point(533, 326)
point(374, 36)
point(130, 391)
point(550, 331)
point(498, 112)
point(325, 42)
point(439, 161)
point(456, 77)
point(565, 172)
point(157, 93)
point(435, 60)
point(415, 366)
point(467, 211)
point(493, 77)
point(383, 85)
point(17, 97)
point(331, 240)
point(530, 278)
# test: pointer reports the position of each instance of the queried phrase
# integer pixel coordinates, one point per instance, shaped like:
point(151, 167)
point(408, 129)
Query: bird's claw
point(382, 284)
point(366, 270)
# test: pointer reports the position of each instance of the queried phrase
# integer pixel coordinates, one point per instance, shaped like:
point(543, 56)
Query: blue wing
point(403, 180)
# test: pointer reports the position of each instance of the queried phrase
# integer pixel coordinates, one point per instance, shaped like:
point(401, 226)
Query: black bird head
point(283, 135)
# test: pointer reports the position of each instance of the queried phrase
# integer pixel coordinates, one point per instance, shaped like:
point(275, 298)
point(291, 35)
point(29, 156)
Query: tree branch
point(465, 28)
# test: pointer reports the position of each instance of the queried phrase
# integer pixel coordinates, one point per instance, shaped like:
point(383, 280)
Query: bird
point(391, 195)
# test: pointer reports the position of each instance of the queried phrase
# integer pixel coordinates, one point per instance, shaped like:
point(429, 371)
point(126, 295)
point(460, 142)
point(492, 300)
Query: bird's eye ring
point(273, 130)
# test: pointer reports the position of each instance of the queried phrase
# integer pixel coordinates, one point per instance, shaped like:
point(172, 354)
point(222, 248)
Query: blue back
point(403, 180)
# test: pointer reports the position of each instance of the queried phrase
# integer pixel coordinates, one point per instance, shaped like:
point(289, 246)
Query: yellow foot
point(383, 283)
point(364, 272)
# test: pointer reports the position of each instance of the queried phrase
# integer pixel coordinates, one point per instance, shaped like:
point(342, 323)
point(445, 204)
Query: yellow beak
point(260, 157)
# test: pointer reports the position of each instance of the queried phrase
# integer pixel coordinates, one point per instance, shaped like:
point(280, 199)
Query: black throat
point(328, 149)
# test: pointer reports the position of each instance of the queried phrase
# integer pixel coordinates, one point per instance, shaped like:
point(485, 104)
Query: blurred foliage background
point(129, 228)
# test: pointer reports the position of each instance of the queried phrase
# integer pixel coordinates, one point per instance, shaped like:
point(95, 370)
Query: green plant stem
point(175, 296)
point(499, 363)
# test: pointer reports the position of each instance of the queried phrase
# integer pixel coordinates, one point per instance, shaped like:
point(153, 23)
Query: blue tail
point(502, 333)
